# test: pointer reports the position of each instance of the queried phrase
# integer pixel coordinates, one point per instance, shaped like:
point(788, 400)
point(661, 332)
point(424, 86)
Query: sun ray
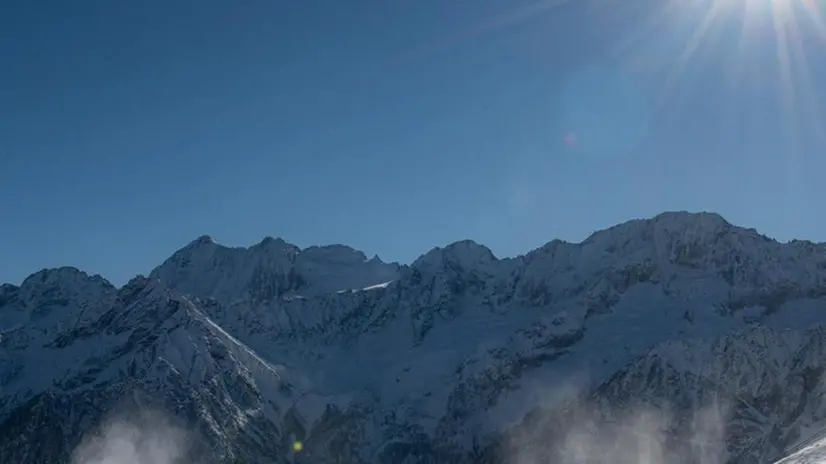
point(519, 15)
point(808, 114)
point(812, 113)
point(798, 70)
point(795, 90)
point(744, 42)
point(697, 36)
point(642, 32)
point(815, 15)
point(781, 18)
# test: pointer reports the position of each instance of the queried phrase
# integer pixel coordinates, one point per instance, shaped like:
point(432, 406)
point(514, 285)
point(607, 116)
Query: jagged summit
point(663, 230)
point(690, 224)
point(270, 269)
point(466, 254)
point(58, 275)
point(64, 283)
point(273, 241)
point(203, 240)
point(702, 218)
point(673, 222)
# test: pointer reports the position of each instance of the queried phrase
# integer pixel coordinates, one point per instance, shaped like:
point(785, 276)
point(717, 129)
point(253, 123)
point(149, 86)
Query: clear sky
point(129, 128)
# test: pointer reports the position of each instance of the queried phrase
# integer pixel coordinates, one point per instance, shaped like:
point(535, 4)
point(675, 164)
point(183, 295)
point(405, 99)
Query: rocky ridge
point(681, 338)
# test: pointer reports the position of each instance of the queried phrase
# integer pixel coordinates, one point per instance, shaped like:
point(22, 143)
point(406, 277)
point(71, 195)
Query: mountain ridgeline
point(676, 339)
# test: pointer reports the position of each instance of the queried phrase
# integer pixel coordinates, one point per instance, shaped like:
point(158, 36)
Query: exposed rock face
point(680, 338)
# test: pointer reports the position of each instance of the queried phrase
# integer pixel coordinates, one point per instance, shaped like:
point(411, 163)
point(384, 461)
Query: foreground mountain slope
point(149, 349)
point(698, 337)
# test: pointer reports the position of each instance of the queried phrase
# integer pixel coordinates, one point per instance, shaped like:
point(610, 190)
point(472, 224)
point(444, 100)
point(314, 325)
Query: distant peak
point(703, 223)
point(138, 281)
point(7, 288)
point(465, 252)
point(468, 245)
point(57, 274)
point(683, 217)
point(135, 286)
point(268, 240)
point(67, 278)
point(693, 225)
point(335, 252)
point(334, 247)
point(278, 243)
point(269, 246)
point(204, 240)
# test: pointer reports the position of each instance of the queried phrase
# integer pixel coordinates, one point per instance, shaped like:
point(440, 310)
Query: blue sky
point(127, 129)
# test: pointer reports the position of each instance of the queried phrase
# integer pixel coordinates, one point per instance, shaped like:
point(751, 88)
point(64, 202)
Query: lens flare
point(298, 447)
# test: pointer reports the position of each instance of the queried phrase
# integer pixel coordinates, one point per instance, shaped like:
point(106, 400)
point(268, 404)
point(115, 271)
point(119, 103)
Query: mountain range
point(675, 339)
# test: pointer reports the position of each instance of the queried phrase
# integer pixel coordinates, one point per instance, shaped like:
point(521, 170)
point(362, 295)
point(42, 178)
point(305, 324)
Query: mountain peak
point(336, 252)
point(688, 222)
point(269, 241)
point(269, 269)
point(683, 216)
point(670, 220)
point(203, 240)
point(465, 253)
point(66, 276)
point(665, 231)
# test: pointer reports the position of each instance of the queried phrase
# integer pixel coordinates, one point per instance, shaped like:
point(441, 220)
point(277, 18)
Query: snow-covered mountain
point(680, 338)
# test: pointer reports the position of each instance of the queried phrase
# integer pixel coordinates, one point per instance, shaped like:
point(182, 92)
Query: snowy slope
point(812, 454)
point(679, 338)
point(150, 347)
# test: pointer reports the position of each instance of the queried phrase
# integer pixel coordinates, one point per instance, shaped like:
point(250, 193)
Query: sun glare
point(767, 48)
point(764, 41)
point(756, 20)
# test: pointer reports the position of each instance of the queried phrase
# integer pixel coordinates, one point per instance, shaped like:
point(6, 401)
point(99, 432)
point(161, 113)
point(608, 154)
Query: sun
point(755, 22)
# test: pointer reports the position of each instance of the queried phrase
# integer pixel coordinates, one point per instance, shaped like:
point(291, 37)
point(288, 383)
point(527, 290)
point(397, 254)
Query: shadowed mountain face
point(680, 338)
